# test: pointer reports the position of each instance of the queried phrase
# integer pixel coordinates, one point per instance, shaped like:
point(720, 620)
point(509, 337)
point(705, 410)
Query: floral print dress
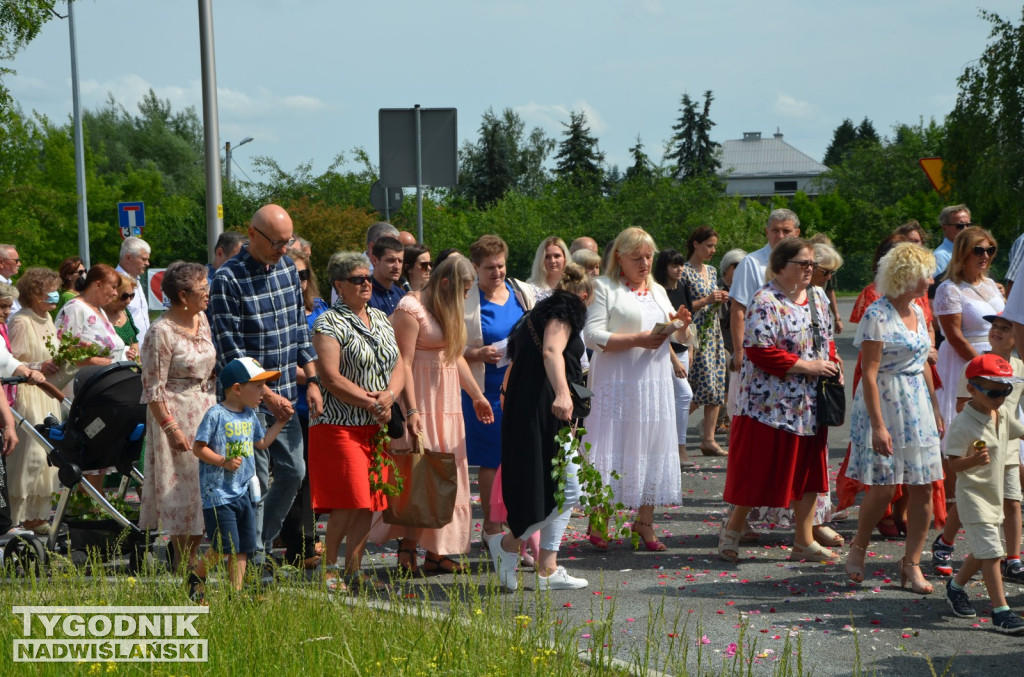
point(905, 402)
point(707, 366)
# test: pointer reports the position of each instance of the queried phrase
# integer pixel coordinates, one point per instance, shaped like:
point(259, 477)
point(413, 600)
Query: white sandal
point(729, 541)
point(814, 552)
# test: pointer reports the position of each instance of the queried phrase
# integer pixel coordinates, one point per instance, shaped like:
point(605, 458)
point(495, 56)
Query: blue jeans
point(289, 469)
point(232, 526)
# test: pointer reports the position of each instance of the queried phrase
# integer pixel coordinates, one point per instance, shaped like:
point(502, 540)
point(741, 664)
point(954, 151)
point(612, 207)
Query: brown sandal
point(442, 565)
point(409, 565)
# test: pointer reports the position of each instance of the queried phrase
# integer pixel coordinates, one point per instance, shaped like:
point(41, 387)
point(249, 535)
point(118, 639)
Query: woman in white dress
point(632, 424)
point(962, 301)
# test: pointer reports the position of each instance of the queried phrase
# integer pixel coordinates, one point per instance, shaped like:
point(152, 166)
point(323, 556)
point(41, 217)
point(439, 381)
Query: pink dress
point(177, 368)
point(438, 397)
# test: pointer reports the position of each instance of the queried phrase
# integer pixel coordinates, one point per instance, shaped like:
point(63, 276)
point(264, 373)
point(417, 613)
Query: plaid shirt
point(256, 311)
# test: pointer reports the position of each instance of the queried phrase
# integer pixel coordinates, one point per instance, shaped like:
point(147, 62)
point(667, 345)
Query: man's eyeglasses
point(806, 265)
point(276, 244)
point(128, 296)
point(990, 251)
point(994, 394)
point(425, 265)
point(961, 226)
point(304, 275)
point(12, 260)
point(358, 280)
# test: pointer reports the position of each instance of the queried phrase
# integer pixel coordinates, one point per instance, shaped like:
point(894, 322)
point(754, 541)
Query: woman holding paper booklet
point(493, 306)
point(632, 424)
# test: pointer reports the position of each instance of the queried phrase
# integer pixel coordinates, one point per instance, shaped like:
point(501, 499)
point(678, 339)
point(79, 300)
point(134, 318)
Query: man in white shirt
point(952, 220)
point(133, 263)
point(750, 276)
point(10, 264)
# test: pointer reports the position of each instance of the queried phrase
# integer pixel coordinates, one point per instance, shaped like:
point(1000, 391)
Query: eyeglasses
point(990, 251)
point(994, 394)
point(304, 274)
point(80, 272)
point(827, 272)
point(276, 244)
point(12, 260)
point(961, 226)
point(200, 291)
point(358, 280)
point(805, 265)
point(128, 296)
point(425, 265)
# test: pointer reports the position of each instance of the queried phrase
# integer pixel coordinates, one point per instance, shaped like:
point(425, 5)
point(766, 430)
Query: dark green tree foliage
point(503, 159)
point(692, 151)
point(641, 169)
point(866, 132)
point(846, 137)
point(984, 151)
point(578, 159)
point(20, 22)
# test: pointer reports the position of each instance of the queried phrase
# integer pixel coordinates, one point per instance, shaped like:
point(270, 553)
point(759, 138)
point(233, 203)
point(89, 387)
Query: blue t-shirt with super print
point(230, 434)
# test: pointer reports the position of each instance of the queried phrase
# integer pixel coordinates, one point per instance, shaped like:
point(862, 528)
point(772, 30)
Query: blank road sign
point(440, 144)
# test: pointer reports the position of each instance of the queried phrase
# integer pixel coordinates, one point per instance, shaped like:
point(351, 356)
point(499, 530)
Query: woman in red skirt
point(777, 450)
point(357, 358)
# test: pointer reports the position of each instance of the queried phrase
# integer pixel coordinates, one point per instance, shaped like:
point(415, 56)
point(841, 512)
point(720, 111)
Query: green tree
point(642, 169)
point(578, 159)
point(866, 132)
point(984, 151)
point(691, 149)
point(20, 22)
point(843, 138)
point(504, 158)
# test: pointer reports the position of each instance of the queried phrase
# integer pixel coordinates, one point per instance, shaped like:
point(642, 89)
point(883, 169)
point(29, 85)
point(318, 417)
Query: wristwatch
point(314, 379)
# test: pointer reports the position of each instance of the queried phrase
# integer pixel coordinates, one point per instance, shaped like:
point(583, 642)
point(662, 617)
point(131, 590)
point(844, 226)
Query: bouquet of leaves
point(382, 460)
point(706, 323)
point(596, 497)
point(70, 350)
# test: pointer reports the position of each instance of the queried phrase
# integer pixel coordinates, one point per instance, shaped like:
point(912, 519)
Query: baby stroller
point(105, 427)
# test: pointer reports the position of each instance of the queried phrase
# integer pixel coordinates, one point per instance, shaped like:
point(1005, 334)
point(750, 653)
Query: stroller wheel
point(24, 555)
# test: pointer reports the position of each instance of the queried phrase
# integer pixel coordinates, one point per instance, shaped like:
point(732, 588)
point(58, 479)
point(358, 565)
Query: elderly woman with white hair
point(632, 423)
point(896, 421)
point(548, 266)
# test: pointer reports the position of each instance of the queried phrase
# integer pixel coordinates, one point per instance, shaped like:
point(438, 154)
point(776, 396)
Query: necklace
point(639, 290)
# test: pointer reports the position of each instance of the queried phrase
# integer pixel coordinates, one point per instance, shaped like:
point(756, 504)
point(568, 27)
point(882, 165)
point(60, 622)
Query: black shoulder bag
point(580, 394)
point(831, 395)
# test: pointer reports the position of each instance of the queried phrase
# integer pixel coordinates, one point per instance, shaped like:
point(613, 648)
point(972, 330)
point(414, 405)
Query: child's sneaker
point(1013, 571)
point(959, 601)
point(1007, 622)
point(942, 556)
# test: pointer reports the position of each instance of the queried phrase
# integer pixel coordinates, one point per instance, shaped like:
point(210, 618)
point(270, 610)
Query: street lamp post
point(227, 159)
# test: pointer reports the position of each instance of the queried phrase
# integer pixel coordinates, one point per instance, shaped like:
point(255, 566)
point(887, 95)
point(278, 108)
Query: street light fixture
point(227, 158)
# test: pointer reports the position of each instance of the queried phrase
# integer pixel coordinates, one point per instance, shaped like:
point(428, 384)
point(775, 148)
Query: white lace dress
point(972, 303)
point(632, 422)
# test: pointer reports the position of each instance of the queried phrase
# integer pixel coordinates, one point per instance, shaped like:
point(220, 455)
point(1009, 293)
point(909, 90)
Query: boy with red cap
point(978, 444)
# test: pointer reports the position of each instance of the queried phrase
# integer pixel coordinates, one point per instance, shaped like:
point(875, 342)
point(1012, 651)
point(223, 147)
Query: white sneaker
point(505, 563)
point(560, 580)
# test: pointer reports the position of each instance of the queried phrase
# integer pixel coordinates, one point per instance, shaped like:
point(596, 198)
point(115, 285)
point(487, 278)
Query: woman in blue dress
point(896, 422)
point(494, 305)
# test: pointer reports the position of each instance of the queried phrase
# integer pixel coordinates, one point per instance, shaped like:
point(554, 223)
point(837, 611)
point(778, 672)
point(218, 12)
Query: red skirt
point(339, 468)
point(771, 467)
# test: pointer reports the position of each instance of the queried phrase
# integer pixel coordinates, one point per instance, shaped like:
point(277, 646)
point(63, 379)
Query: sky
point(305, 78)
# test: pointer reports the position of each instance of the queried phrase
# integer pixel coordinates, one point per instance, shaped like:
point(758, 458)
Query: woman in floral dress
point(707, 368)
point(895, 425)
point(178, 358)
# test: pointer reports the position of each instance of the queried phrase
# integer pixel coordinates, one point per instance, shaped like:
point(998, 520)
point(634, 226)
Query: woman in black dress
point(546, 349)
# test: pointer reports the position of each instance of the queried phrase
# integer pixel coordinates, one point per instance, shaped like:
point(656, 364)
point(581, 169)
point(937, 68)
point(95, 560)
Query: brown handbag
point(427, 500)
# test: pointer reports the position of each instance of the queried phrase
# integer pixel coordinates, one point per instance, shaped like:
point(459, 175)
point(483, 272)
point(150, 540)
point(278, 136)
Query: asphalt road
point(892, 631)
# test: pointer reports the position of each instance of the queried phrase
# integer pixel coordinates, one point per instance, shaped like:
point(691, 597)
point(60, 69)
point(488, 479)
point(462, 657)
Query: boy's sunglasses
point(994, 394)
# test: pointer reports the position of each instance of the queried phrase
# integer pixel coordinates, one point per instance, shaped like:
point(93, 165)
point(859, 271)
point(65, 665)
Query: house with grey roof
point(754, 167)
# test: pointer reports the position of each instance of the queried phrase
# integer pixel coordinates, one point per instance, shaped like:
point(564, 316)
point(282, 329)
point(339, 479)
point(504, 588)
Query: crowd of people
point(489, 368)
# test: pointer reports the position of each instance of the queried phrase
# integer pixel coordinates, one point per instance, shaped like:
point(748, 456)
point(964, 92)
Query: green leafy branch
point(596, 497)
point(381, 460)
point(70, 350)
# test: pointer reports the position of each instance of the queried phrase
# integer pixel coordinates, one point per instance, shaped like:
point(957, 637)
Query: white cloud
point(552, 116)
point(792, 107)
point(653, 7)
point(303, 103)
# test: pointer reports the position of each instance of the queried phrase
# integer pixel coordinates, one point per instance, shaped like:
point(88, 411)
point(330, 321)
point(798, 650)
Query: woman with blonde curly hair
point(548, 264)
point(896, 423)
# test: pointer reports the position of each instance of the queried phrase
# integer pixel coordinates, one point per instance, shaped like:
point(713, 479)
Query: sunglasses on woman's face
point(80, 272)
point(304, 274)
point(128, 296)
point(358, 280)
point(425, 265)
point(980, 251)
point(994, 394)
point(805, 265)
